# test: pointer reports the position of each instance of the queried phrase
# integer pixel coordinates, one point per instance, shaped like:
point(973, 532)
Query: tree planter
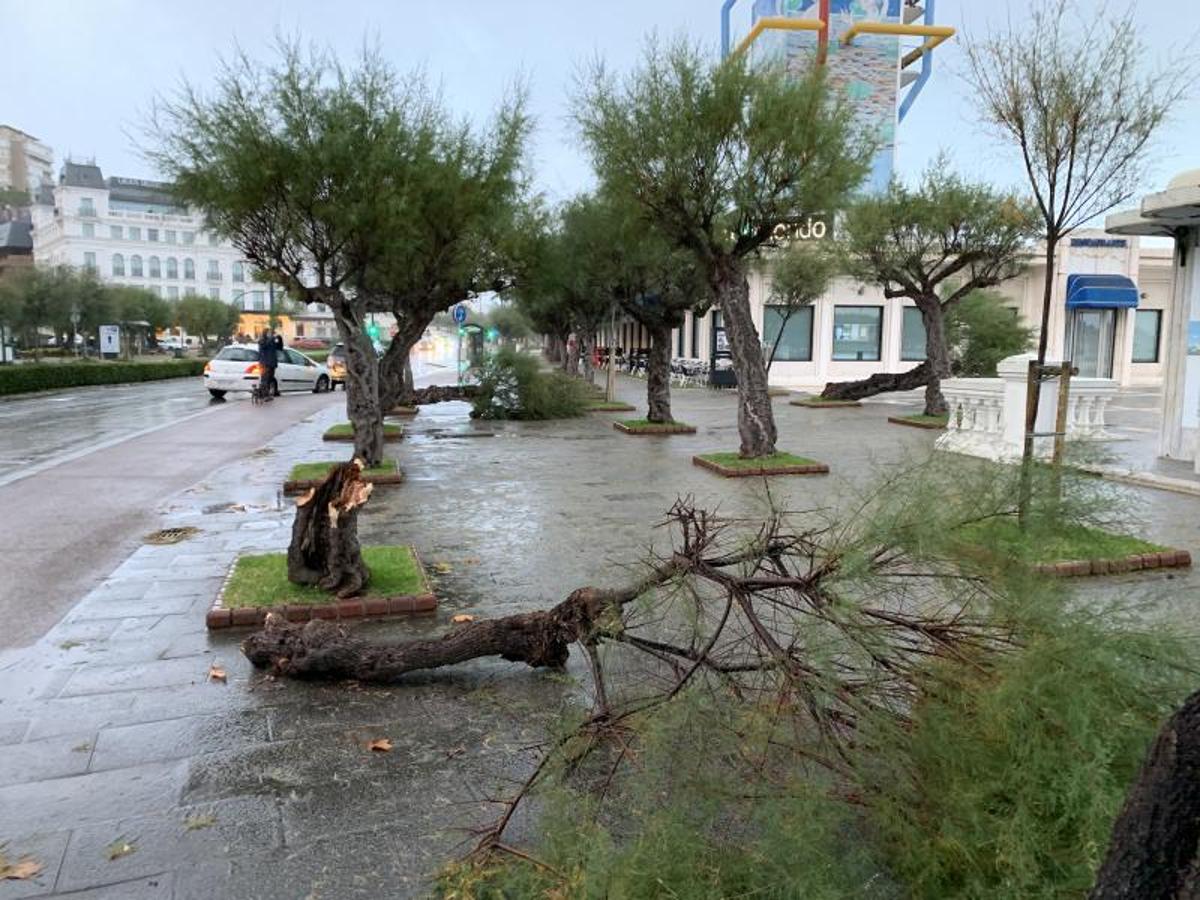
point(406, 412)
point(729, 465)
point(778, 392)
point(931, 423)
point(615, 406)
point(258, 585)
point(1134, 562)
point(345, 432)
point(640, 426)
point(817, 403)
point(309, 475)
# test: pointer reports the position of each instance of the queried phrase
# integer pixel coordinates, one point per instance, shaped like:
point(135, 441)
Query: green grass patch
point(346, 429)
point(609, 406)
point(261, 580)
point(922, 419)
point(821, 401)
point(775, 460)
point(315, 471)
point(1044, 544)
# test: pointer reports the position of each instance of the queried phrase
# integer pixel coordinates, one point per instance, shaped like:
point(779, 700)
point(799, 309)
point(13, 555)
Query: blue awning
point(1101, 292)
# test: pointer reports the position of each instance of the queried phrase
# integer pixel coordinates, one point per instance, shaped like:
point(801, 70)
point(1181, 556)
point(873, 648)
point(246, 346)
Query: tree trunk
point(324, 550)
point(658, 375)
point(587, 344)
point(1155, 848)
point(395, 369)
point(571, 357)
point(880, 383)
point(756, 419)
point(363, 407)
point(937, 355)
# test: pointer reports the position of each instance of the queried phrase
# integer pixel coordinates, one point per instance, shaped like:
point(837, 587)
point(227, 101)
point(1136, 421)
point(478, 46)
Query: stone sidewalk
point(111, 733)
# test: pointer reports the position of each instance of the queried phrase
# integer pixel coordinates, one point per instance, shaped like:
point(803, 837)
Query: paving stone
point(172, 839)
point(13, 731)
point(49, 758)
point(129, 745)
point(153, 887)
point(76, 715)
point(46, 847)
point(110, 679)
point(149, 604)
point(47, 805)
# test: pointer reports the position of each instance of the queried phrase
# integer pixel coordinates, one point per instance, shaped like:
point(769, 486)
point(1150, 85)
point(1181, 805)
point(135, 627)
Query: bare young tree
point(800, 273)
point(1069, 91)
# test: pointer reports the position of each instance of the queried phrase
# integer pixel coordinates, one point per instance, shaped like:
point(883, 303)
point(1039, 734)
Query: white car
point(236, 368)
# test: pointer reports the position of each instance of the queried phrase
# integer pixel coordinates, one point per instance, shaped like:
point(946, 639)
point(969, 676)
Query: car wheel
point(217, 395)
point(321, 386)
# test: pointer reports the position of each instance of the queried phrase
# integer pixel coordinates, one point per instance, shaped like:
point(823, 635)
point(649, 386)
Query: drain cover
point(171, 535)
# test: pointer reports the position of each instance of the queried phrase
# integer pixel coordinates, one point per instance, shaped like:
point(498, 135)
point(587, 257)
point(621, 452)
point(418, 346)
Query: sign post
point(110, 340)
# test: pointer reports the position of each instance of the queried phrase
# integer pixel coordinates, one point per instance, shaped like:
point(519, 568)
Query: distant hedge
point(23, 378)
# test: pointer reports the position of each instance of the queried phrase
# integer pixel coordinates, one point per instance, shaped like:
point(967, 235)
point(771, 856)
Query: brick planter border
point(299, 487)
point(403, 412)
point(928, 426)
point(389, 437)
point(825, 404)
point(1136, 562)
point(657, 428)
point(731, 472)
point(613, 407)
point(219, 616)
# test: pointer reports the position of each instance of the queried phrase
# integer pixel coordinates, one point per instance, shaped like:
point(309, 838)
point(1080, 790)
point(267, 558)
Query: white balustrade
point(987, 415)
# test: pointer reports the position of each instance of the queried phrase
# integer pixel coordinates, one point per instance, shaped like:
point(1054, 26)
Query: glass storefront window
point(1147, 325)
point(795, 344)
point(912, 336)
point(857, 333)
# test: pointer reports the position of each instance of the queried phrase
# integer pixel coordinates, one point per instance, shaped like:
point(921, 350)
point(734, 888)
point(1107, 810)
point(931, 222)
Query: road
point(85, 470)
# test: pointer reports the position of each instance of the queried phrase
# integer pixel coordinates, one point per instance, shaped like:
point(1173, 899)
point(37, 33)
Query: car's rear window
point(238, 354)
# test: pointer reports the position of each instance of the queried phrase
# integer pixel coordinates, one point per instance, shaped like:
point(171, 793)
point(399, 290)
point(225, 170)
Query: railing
point(987, 415)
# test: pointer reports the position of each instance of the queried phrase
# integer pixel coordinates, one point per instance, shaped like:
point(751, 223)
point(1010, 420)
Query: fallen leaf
point(82, 748)
point(201, 820)
point(461, 618)
point(216, 673)
point(443, 568)
point(70, 645)
point(118, 848)
point(380, 745)
point(23, 869)
point(456, 751)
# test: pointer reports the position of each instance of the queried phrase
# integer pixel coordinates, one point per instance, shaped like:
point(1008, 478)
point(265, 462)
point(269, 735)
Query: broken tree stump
point(324, 550)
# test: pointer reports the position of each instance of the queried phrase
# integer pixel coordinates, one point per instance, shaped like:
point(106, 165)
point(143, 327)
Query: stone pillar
point(1180, 435)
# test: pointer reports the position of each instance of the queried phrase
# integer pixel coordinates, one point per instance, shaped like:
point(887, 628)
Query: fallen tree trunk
point(443, 393)
point(324, 550)
point(880, 383)
point(1155, 846)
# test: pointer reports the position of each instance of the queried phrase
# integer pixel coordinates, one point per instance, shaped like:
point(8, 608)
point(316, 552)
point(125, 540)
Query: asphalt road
point(83, 473)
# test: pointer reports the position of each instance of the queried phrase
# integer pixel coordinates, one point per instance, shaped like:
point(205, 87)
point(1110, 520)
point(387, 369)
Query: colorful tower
point(859, 42)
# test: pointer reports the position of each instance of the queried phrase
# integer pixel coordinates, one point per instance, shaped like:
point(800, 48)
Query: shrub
point(985, 331)
point(27, 377)
point(512, 386)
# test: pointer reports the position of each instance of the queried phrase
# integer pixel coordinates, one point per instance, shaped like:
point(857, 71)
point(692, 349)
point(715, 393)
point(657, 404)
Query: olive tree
point(934, 245)
point(722, 158)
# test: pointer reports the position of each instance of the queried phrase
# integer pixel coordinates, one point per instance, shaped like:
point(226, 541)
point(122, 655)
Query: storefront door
point(1093, 332)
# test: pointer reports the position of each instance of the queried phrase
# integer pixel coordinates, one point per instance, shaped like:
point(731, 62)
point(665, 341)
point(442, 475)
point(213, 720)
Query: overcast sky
point(80, 75)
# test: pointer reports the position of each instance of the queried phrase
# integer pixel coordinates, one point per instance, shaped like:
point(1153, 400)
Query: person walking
point(268, 356)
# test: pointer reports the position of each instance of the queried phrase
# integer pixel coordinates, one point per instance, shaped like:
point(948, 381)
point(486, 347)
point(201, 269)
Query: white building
point(129, 231)
point(1111, 330)
point(25, 162)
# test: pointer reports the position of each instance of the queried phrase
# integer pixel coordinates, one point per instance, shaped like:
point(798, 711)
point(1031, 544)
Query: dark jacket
point(268, 351)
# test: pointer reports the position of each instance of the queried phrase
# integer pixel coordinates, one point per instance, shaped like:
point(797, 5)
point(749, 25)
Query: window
point(695, 336)
point(857, 333)
point(118, 264)
point(238, 354)
point(172, 267)
point(135, 266)
point(86, 207)
point(256, 300)
point(155, 268)
point(116, 232)
point(172, 293)
point(189, 269)
point(170, 237)
point(215, 293)
point(238, 272)
point(189, 237)
point(152, 235)
point(212, 239)
point(295, 358)
point(1147, 326)
point(912, 336)
point(795, 344)
point(89, 230)
point(214, 270)
point(89, 262)
point(135, 233)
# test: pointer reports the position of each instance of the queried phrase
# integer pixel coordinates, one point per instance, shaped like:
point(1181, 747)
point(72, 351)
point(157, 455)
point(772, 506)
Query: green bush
point(26, 377)
point(512, 386)
point(985, 331)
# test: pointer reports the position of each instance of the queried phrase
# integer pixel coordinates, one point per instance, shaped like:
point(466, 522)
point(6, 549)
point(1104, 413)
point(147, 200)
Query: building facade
point(25, 162)
point(129, 231)
point(853, 332)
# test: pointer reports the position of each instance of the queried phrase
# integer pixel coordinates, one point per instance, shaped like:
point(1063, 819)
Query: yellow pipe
point(936, 34)
point(777, 23)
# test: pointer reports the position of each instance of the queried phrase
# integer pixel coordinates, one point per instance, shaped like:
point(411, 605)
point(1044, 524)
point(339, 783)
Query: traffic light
point(493, 333)
point(373, 331)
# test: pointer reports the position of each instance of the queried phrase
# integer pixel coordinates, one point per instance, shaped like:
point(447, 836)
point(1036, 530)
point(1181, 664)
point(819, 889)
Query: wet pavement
point(111, 734)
